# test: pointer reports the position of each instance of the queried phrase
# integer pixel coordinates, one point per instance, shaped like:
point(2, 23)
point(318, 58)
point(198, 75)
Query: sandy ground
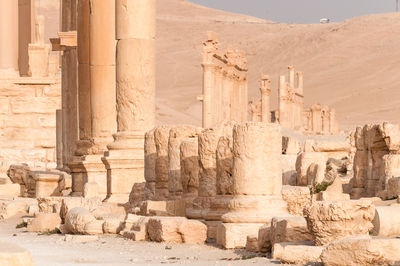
point(113, 250)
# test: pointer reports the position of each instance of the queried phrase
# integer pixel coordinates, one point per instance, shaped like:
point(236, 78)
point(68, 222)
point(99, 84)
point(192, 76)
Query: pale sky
point(302, 11)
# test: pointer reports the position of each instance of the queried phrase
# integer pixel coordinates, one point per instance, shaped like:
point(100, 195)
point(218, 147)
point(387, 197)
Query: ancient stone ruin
point(81, 154)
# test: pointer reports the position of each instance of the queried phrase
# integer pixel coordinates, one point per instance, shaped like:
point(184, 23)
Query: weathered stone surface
point(289, 229)
point(212, 228)
point(332, 220)
point(297, 253)
point(9, 208)
point(252, 243)
point(224, 157)
point(161, 136)
point(304, 160)
point(386, 221)
point(333, 192)
point(315, 174)
point(296, 198)
point(44, 222)
point(234, 235)
point(393, 186)
point(80, 238)
point(50, 204)
point(69, 203)
point(176, 230)
point(264, 238)
point(94, 227)
point(13, 255)
point(112, 225)
point(137, 194)
point(13, 190)
point(189, 170)
point(150, 157)
point(289, 174)
point(76, 220)
point(362, 250)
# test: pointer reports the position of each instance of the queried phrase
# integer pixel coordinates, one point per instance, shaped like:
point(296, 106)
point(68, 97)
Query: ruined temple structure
point(317, 120)
point(224, 84)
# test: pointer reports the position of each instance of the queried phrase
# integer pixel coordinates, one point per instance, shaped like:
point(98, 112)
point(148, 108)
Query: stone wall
point(28, 124)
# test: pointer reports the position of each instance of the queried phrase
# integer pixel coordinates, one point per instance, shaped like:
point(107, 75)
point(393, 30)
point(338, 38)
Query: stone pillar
point(208, 141)
point(189, 156)
point(88, 170)
point(219, 101)
point(8, 38)
point(244, 99)
point(150, 155)
point(225, 96)
point(291, 77)
point(161, 136)
point(59, 143)
point(265, 100)
point(300, 83)
point(177, 135)
point(39, 52)
point(136, 27)
point(283, 106)
point(208, 88)
point(316, 118)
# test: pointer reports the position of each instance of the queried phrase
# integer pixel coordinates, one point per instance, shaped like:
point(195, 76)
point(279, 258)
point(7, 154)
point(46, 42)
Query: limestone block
point(130, 221)
point(161, 136)
point(13, 255)
point(333, 192)
point(224, 159)
point(252, 243)
point(76, 220)
point(289, 229)
point(80, 238)
point(50, 204)
point(135, 235)
point(94, 227)
point(304, 160)
point(234, 235)
point(44, 222)
point(332, 220)
point(33, 209)
point(290, 145)
point(297, 198)
point(112, 225)
point(39, 59)
point(331, 146)
point(393, 187)
point(176, 136)
point(391, 135)
point(297, 253)
point(149, 191)
point(11, 208)
point(315, 174)
point(289, 174)
point(46, 183)
point(90, 190)
point(137, 194)
point(158, 208)
point(264, 238)
point(386, 221)
point(212, 228)
point(165, 229)
point(190, 167)
point(13, 190)
point(362, 250)
point(150, 157)
point(193, 232)
point(69, 203)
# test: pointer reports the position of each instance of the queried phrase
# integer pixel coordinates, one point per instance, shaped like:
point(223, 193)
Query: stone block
point(289, 229)
point(393, 187)
point(44, 222)
point(13, 255)
point(69, 203)
point(80, 238)
point(234, 235)
point(34, 105)
point(252, 243)
point(304, 160)
point(76, 220)
point(333, 220)
point(362, 250)
point(193, 232)
point(296, 198)
point(50, 204)
point(333, 192)
point(386, 221)
point(165, 229)
point(10, 208)
point(297, 253)
point(94, 227)
point(264, 238)
point(212, 228)
point(112, 225)
point(289, 174)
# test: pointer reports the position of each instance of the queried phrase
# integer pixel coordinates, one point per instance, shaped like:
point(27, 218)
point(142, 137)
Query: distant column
point(9, 37)
point(283, 106)
point(265, 99)
point(291, 77)
point(208, 87)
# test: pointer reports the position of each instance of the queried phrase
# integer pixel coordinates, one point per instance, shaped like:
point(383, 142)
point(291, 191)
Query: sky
point(302, 11)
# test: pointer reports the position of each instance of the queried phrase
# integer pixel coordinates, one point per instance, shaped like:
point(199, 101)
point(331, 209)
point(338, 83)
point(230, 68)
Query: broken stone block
point(176, 230)
point(362, 250)
point(44, 222)
point(252, 243)
point(296, 198)
point(315, 174)
point(212, 228)
point(94, 227)
point(333, 192)
point(112, 225)
point(289, 174)
point(69, 203)
point(76, 220)
point(304, 160)
point(393, 187)
point(332, 220)
point(264, 238)
point(13, 255)
point(234, 235)
point(46, 183)
point(9, 208)
point(80, 238)
point(50, 204)
point(193, 232)
point(386, 221)
point(289, 229)
point(297, 253)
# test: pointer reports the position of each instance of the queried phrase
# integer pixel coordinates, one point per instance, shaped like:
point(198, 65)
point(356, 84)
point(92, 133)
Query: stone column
point(189, 156)
point(8, 38)
point(265, 100)
point(283, 106)
point(161, 136)
point(219, 96)
point(136, 27)
point(244, 99)
point(300, 82)
point(316, 118)
point(291, 77)
point(225, 96)
point(89, 172)
point(150, 155)
point(208, 88)
point(26, 23)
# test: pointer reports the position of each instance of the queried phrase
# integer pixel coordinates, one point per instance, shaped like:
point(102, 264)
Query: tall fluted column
point(135, 32)
point(265, 99)
point(8, 38)
point(208, 87)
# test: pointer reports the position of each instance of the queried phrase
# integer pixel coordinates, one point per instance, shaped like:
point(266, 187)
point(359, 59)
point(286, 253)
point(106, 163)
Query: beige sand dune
point(353, 66)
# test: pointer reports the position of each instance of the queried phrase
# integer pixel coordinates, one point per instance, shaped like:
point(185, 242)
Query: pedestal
point(39, 59)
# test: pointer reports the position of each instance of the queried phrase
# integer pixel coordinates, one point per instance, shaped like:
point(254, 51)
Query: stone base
point(124, 169)
point(163, 208)
point(234, 235)
point(212, 227)
point(199, 209)
point(246, 209)
point(12, 190)
point(47, 184)
point(88, 169)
